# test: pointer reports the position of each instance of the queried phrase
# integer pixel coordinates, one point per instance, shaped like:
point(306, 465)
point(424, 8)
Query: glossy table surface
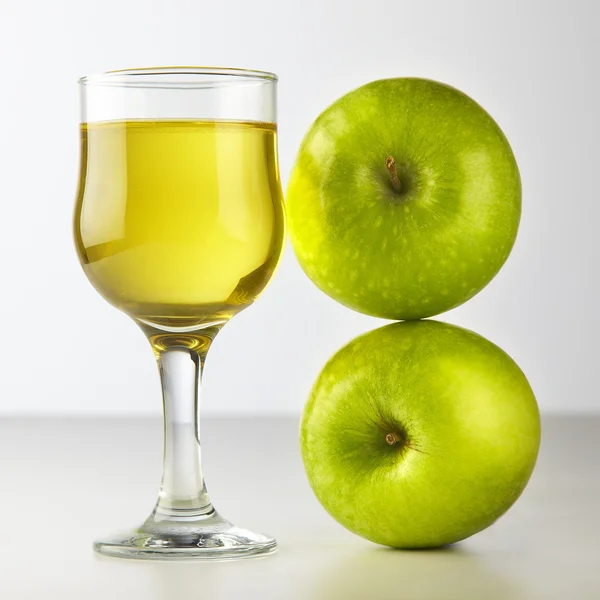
point(64, 481)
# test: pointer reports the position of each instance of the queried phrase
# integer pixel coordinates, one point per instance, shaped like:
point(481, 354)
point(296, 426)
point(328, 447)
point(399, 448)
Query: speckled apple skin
point(423, 250)
point(468, 423)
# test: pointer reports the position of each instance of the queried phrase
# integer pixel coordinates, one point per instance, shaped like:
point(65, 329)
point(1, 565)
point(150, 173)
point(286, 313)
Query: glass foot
point(211, 537)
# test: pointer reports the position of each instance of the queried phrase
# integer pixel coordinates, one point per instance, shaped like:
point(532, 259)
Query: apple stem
point(391, 439)
point(390, 163)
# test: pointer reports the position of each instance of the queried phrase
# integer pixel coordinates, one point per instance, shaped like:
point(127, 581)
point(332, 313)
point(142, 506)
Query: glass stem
point(180, 360)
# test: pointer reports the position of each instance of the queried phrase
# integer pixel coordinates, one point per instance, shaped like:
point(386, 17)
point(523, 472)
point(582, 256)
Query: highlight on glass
point(179, 223)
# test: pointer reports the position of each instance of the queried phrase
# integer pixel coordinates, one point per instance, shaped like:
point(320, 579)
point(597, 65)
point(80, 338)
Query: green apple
point(419, 434)
point(404, 200)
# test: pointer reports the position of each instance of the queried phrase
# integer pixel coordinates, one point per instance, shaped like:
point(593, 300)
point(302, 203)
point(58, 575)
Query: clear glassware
point(179, 223)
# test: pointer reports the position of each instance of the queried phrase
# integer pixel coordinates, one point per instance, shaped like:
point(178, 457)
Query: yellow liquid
point(179, 223)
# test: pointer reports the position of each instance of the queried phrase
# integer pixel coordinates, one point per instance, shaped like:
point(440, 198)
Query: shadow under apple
point(449, 573)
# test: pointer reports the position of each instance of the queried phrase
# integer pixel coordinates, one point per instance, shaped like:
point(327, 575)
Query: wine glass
point(179, 223)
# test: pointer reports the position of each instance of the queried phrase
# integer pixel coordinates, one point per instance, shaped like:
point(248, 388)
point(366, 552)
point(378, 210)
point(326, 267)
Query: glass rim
point(129, 77)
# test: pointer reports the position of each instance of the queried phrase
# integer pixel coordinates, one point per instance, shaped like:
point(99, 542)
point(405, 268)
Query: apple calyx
point(390, 165)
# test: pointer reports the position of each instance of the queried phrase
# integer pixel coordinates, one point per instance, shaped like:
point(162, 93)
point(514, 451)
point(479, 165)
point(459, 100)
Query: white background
point(533, 65)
